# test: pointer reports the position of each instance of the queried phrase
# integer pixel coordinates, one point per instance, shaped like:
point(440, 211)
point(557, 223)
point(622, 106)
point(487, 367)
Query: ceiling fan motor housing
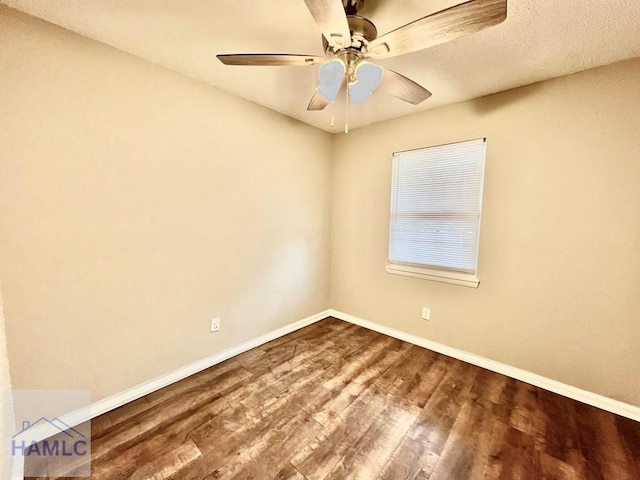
point(362, 32)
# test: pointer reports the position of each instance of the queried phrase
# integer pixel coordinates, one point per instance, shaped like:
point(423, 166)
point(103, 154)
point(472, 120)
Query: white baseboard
point(162, 381)
point(119, 399)
point(584, 396)
point(138, 391)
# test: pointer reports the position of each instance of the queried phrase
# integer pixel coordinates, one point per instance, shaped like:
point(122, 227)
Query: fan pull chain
point(346, 115)
point(332, 115)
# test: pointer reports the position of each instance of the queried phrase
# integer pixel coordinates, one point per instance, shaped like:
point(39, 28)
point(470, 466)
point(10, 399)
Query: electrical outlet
point(426, 313)
point(215, 324)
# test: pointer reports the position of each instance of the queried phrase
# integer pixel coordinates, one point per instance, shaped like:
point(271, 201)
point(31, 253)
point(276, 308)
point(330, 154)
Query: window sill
point(463, 279)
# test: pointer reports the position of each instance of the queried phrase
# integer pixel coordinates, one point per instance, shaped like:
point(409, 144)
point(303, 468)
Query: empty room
point(320, 239)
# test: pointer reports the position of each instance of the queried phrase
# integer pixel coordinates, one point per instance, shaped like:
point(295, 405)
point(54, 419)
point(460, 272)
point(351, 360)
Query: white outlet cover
point(215, 324)
point(426, 313)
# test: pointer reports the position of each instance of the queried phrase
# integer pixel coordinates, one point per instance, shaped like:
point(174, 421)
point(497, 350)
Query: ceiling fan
point(350, 40)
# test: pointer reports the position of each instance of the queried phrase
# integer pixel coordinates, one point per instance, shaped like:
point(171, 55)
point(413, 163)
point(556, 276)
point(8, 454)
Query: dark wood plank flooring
point(337, 401)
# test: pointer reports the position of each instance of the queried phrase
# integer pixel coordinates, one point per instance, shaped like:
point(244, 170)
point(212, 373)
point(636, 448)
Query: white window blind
point(436, 199)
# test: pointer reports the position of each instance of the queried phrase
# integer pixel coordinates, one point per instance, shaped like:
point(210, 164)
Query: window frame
point(451, 275)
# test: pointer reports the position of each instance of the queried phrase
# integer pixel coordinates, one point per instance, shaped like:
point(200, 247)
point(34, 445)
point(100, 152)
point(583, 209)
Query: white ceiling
point(540, 39)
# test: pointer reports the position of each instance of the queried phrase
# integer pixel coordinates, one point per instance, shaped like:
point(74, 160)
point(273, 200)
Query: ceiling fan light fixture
point(330, 75)
point(367, 78)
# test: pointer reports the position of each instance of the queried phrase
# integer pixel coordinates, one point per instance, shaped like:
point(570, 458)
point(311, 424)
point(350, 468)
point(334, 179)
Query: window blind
point(436, 201)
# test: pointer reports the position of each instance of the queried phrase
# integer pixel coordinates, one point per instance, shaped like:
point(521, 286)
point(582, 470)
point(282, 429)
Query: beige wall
point(136, 204)
point(560, 240)
point(6, 410)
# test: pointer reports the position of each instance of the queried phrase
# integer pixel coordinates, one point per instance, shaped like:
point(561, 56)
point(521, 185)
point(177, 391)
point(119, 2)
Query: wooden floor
point(337, 401)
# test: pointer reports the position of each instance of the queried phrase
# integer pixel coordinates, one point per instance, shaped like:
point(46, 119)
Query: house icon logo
point(60, 439)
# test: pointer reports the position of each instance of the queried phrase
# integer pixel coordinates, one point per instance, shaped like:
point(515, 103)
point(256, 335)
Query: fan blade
point(403, 88)
point(440, 27)
point(332, 20)
point(318, 102)
point(270, 59)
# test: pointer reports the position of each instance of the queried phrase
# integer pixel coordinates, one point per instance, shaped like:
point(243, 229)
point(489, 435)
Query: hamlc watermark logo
point(49, 434)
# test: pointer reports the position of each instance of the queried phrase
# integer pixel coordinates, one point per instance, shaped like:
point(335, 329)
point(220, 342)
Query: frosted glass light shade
point(368, 77)
point(330, 75)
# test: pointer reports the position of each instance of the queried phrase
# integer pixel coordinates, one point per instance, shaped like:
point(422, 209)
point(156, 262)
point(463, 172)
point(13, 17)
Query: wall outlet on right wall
point(426, 313)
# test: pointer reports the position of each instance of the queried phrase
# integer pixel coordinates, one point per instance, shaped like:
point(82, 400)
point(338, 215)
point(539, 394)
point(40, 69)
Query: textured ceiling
point(540, 39)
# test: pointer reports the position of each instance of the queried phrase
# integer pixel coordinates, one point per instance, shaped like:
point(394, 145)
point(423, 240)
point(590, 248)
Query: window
point(436, 198)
